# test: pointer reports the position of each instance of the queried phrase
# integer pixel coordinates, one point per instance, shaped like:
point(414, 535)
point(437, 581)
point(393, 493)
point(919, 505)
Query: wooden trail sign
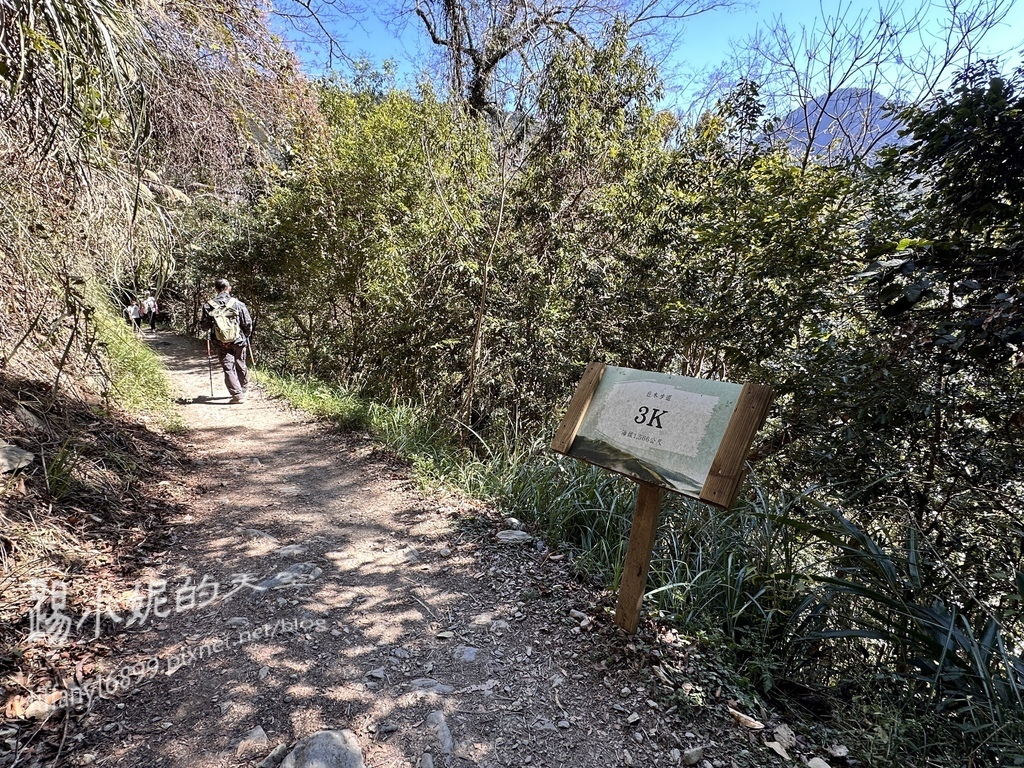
point(669, 433)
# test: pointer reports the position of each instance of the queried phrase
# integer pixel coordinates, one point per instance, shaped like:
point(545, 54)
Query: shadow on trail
point(205, 400)
point(301, 590)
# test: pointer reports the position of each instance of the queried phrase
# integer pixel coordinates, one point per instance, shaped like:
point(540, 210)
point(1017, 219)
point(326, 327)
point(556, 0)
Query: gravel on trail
point(309, 588)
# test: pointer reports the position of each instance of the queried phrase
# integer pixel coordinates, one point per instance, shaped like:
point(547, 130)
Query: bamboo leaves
point(69, 69)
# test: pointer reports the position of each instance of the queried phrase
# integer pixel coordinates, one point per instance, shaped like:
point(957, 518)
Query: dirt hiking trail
point(309, 586)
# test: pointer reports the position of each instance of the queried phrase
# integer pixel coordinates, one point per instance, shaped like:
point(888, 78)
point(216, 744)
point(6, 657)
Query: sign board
point(667, 432)
point(682, 434)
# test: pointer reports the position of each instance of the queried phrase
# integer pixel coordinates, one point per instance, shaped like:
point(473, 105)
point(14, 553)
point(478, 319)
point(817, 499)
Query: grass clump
point(333, 403)
point(136, 379)
point(401, 428)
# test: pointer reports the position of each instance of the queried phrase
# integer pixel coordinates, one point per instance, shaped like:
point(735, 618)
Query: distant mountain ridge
point(849, 122)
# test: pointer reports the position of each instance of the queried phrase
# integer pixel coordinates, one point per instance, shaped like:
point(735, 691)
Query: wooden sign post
point(642, 533)
point(668, 433)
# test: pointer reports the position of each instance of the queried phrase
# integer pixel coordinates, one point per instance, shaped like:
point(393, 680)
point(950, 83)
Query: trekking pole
point(252, 363)
point(209, 361)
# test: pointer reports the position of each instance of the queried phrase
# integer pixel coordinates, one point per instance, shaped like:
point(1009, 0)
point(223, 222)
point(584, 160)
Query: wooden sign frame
point(719, 488)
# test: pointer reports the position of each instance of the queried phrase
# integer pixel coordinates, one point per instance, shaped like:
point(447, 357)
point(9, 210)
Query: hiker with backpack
point(150, 310)
point(229, 325)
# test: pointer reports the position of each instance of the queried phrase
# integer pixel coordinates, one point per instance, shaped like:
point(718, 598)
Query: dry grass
point(87, 512)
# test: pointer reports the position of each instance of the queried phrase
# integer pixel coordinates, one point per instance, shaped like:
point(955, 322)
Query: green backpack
point(225, 321)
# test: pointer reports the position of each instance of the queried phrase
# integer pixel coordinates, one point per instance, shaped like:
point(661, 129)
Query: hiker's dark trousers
point(232, 360)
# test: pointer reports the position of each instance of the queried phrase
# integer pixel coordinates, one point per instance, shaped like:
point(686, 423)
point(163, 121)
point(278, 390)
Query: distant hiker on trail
point(149, 310)
point(134, 314)
point(229, 324)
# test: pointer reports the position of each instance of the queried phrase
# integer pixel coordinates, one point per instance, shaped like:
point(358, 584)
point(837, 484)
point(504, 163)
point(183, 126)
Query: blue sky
point(708, 35)
point(704, 43)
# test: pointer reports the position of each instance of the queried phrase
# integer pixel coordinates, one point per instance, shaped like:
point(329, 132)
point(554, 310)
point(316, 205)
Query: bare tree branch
point(514, 37)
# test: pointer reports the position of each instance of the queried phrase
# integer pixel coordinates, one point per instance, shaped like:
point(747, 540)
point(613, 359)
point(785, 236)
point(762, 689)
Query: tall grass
point(334, 403)
point(734, 570)
point(960, 664)
point(136, 379)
